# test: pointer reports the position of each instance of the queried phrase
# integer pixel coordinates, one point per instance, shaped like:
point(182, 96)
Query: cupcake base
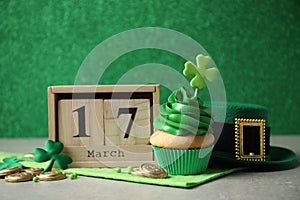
point(183, 161)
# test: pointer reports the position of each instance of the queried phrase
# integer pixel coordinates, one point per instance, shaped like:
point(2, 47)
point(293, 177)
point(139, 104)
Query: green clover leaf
point(12, 162)
point(52, 153)
point(54, 147)
point(200, 72)
point(62, 161)
point(40, 155)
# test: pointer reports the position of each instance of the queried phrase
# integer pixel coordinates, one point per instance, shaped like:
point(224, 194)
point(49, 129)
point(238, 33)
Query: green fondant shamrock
point(200, 71)
point(52, 153)
point(12, 162)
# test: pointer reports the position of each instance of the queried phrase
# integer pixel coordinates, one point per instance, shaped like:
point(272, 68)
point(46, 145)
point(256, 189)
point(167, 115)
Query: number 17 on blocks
point(104, 131)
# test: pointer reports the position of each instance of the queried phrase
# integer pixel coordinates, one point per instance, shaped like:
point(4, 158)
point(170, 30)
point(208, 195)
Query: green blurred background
point(255, 45)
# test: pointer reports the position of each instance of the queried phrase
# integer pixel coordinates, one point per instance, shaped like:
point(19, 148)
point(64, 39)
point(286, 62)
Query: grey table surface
point(240, 185)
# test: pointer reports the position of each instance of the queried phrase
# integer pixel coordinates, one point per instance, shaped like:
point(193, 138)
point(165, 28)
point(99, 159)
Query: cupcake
point(184, 141)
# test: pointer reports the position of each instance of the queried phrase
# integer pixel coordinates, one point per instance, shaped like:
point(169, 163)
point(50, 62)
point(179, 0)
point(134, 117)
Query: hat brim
point(279, 159)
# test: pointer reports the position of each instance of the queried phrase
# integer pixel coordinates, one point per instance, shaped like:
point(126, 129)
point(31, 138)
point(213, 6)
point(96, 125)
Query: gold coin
point(150, 171)
point(34, 171)
point(11, 170)
point(136, 172)
point(150, 168)
point(153, 171)
point(28, 155)
point(52, 176)
point(19, 177)
point(163, 174)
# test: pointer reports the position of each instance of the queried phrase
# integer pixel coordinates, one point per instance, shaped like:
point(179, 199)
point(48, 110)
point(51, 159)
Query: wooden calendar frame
point(82, 157)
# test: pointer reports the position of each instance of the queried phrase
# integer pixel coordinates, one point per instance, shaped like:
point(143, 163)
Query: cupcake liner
point(183, 161)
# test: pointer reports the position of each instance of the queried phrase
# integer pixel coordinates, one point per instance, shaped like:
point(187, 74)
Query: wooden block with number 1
point(81, 122)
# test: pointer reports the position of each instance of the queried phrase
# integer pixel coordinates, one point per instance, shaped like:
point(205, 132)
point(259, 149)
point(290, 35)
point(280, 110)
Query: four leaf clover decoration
point(200, 71)
point(52, 153)
point(12, 162)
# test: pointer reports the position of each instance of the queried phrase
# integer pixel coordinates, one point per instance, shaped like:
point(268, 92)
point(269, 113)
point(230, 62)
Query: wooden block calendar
point(104, 125)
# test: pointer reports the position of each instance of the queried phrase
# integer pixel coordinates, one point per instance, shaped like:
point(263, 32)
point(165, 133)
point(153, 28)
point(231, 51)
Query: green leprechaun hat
point(244, 140)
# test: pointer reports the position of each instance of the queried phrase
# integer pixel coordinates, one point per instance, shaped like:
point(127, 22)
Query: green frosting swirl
point(183, 114)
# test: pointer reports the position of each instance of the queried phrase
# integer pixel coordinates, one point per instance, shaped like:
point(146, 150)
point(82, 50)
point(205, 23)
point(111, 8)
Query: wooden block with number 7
point(127, 121)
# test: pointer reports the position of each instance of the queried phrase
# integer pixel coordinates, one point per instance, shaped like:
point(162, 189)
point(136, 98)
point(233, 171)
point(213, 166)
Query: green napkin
point(110, 173)
point(172, 180)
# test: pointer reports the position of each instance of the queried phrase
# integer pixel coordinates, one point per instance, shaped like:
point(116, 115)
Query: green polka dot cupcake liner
point(183, 161)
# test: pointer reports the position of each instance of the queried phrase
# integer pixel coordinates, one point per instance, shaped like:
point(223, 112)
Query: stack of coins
point(52, 176)
point(18, 174)
point(34, 171)
point(150, 170)
point(11, 170)
point(19, 177)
